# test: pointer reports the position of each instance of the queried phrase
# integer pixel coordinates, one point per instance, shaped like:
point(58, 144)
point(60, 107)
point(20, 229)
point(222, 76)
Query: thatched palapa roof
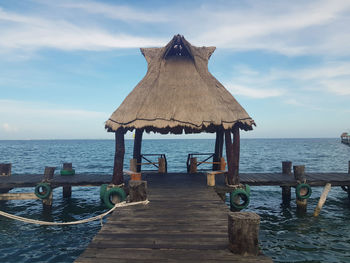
point(179, 94)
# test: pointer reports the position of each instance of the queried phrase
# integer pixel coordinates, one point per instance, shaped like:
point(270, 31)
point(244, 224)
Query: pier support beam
point(137, 148)
point(299, 175)
point(219, 144)
point(67, 191)
point(118, 157)
point(286, 190)
point(243, 233)
point(232, 155)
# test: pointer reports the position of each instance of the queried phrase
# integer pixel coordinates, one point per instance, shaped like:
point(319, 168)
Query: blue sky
point(65, 66)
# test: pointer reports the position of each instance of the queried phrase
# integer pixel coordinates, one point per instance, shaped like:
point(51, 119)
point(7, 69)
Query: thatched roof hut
point(178, 94)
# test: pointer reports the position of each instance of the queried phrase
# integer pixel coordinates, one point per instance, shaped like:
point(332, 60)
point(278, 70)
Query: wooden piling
point(299, 175)
point(5, 169)
point(286, 190)
point(137, 148)
point(322, 200)
point(243, 232)
point(49, 173)
point(193, 165)
point(67, 191)
point(161, 166)
point(118, 157)
point(137, 191)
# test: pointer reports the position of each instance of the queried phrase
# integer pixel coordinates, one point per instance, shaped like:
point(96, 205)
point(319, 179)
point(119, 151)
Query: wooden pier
point(185, 221)
point(254, 179)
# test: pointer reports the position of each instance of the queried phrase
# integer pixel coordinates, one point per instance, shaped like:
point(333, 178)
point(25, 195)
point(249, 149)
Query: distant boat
point(345, 138)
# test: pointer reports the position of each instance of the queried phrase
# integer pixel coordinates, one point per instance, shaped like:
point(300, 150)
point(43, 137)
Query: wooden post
point(67, 190)
point(322, 200)
point(243, 232)
point(193, 165)
point(232, 154)
point(161, 166)
point(222, 164)
point(218, 148)
point(299, 175)
point(236, 153)
point(49, 173)
point(229, 155)
point(47, 203)
point(137, 191)
point(5, 169)
point(286, 190)
point(133, 165)
point(137, 148)
point(67, 166)
point(119, 157)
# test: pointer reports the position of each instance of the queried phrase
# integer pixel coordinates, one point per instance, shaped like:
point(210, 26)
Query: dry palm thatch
point(179, 94)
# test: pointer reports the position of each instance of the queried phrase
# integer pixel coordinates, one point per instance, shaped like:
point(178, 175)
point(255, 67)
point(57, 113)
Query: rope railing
point(94, 218)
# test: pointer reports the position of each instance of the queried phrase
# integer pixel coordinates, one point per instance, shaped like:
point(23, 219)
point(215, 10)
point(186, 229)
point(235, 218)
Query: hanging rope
point(38, 222)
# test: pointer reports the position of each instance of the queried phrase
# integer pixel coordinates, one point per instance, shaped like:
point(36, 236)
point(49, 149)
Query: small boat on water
point(345, 138)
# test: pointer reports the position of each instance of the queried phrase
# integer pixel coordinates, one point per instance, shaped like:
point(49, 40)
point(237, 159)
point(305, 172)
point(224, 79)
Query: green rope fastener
point(301, 186)
point(109, 194)
point(243, 195)
point(42, 190)
point(67, 172)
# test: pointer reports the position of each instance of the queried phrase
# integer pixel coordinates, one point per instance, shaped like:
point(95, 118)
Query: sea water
point(284, 236)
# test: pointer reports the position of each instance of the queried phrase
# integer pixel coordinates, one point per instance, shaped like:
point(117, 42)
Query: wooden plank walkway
point(185, 222)
point(314, 179)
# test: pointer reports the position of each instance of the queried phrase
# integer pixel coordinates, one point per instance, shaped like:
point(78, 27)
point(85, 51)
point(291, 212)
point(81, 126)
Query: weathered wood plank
point(185, 221)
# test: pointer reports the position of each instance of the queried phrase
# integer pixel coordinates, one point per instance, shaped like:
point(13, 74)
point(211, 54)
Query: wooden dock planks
point(185, 221)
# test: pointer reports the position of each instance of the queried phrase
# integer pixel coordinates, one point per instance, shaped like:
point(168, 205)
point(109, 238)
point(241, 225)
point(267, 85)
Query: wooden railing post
point(286, 190)
point(193, 165)
point(161, 166)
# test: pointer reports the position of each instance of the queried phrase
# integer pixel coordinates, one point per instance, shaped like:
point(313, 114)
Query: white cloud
point(28, 33)
point(118, 12)
point(35, 120)
point(293, 28)
point(254, 92)
point(8, 128)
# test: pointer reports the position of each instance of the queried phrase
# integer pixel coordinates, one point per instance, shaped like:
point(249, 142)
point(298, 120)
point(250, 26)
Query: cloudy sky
point(65, 66)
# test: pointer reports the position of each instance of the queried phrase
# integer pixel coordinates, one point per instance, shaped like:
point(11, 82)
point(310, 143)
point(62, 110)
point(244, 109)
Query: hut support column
point(118, 158)
point(137, 148)
point(219, 141)
point(232, 155)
